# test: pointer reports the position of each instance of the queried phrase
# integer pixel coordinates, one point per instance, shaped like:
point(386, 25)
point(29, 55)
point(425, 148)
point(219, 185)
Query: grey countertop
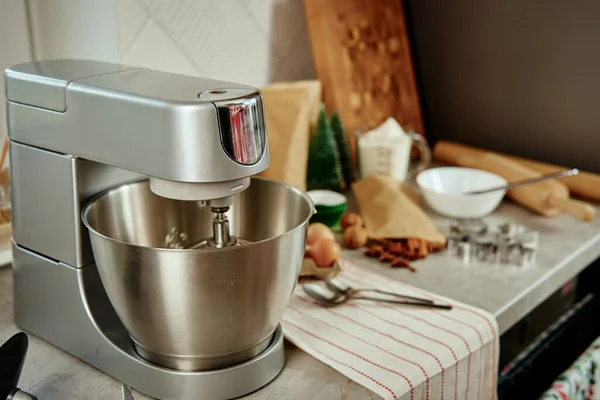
point(567, 246)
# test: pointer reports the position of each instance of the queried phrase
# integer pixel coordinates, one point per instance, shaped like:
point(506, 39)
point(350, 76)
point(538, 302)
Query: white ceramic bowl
point(443, 190)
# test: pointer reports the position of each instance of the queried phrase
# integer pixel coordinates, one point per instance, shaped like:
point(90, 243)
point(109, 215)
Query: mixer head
point(242, 133)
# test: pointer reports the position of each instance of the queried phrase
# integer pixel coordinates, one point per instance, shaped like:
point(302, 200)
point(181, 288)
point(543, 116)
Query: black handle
point(12, 358)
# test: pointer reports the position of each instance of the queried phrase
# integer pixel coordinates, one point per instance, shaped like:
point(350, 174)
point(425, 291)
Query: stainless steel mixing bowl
point(198, 309)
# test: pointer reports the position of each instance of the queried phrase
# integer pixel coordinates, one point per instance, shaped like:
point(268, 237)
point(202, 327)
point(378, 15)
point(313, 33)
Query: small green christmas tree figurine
point(323, 170)
point(343, 148)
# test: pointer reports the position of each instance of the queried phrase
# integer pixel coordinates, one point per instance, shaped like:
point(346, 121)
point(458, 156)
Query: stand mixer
point(177, 285)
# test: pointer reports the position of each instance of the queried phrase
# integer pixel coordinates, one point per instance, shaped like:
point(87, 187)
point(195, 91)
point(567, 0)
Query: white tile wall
point(248, 41)
point(74, 29)
point(14, 45)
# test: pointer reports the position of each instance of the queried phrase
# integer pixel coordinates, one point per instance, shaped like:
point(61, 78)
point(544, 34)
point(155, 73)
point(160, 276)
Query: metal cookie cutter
point(505, 248)
point(527, 255)
point(528, 245)
point(464, 252)
point(484, 248)
point(529, 242)
point(529, 238)
point(454, 239)
point(469, 227)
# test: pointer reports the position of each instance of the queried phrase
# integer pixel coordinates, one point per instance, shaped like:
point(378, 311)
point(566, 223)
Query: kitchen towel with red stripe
point(399, 352)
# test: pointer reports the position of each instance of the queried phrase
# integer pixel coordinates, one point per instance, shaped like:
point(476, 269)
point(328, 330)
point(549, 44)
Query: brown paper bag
point(290, 111)
point(311, 88)
point(388, 213)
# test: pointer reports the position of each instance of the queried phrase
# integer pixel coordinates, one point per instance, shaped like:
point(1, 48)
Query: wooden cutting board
point(362, 57)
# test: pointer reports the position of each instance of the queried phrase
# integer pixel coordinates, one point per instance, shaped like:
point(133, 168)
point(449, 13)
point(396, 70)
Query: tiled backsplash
point(14, 45)
point(247, 41)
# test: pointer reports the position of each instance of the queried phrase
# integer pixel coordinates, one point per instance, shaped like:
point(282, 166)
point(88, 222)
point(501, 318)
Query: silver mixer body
point(78, 128)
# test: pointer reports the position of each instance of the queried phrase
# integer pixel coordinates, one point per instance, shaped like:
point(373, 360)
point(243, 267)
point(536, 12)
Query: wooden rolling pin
point(547, 198)
point(585, 184)
point(450, 152)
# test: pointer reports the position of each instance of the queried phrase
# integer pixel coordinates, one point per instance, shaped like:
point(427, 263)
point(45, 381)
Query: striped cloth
point(396, 351)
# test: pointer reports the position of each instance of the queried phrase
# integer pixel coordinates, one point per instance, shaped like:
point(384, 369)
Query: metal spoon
point(342, 288)
point(523, 182)
point(329, 298)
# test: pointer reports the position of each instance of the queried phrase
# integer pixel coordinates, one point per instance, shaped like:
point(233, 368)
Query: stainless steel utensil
point(529, 181)
point(506, 249)
point(527, 255)
point(329, 298)
point(468, 226)
point(185, 308)
point(529, 238)
point(126, 394)
point(340, 287)
point(464, 252)
point(509, 243)
point(453, 240)
point(484, 247)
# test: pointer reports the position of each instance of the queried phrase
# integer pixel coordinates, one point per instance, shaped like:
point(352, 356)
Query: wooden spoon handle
point(577, 208)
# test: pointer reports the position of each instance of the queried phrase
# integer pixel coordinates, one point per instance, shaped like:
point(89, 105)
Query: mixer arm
point(196, 138)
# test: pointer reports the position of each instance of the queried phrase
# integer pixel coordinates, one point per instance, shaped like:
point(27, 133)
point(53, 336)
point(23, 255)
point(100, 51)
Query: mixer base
point(203, 363)
point(68, 307)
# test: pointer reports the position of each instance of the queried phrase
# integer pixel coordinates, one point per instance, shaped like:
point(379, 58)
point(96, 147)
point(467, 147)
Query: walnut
point(351, 219)
point(354, 237)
